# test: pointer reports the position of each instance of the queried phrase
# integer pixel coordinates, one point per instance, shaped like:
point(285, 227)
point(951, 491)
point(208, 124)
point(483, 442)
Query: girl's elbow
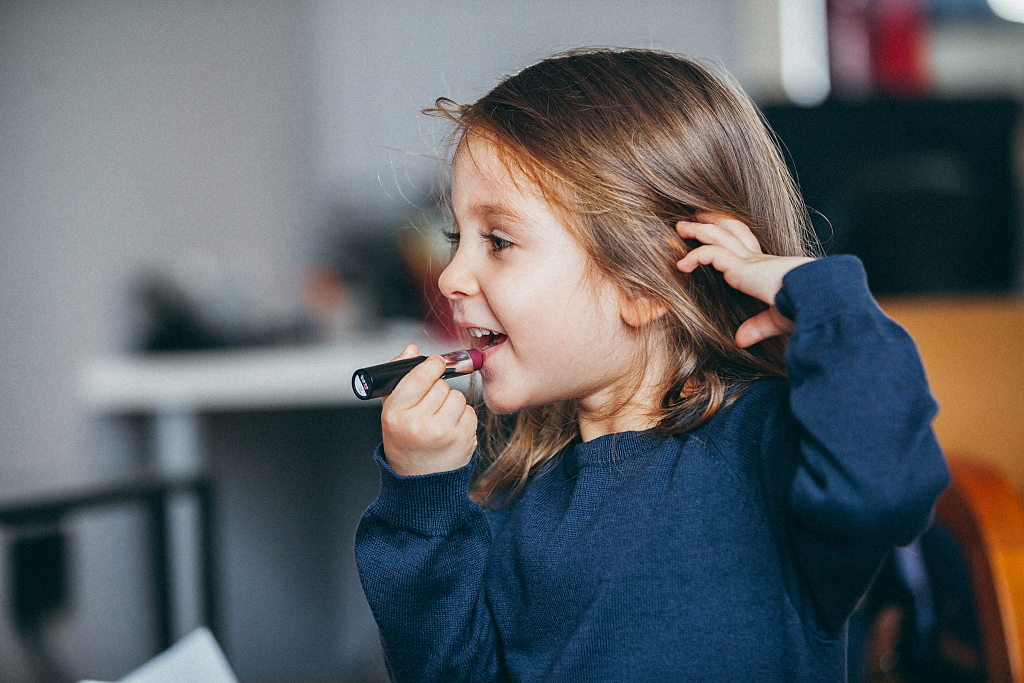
point(901, 522)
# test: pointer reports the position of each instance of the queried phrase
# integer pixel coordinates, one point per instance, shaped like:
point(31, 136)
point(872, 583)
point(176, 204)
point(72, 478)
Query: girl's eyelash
point(497, 243)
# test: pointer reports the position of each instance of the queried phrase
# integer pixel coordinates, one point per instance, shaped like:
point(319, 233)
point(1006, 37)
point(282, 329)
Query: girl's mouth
point(485, 339)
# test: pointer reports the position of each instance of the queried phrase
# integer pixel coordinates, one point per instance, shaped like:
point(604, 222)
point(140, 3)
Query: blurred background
point(247, 184)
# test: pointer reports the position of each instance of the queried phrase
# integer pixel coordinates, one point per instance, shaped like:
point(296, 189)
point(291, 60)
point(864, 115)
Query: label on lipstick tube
point(361, 385)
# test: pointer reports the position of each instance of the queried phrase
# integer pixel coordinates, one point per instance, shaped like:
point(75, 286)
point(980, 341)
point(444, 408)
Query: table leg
point(178, 453)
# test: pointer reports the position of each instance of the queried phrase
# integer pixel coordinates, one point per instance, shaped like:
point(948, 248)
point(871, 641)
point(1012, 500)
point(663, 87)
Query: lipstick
point(378, 381)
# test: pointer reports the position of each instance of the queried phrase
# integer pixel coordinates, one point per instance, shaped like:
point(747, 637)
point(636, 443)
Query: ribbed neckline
point(611, 449)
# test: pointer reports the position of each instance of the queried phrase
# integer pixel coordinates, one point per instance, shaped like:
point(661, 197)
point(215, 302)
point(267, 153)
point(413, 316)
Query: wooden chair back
point(984, 514)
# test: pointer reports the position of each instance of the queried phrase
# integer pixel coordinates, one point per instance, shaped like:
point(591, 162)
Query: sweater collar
point(612, 449)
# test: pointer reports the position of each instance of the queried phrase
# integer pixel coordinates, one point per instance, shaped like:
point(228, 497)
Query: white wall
point(381, 63)
point(131, 133)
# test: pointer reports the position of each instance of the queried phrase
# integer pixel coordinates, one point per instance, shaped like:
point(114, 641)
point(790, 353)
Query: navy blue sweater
point(735, 552)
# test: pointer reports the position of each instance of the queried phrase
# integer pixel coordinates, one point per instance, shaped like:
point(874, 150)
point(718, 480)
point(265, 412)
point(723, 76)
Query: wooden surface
point(973, 351)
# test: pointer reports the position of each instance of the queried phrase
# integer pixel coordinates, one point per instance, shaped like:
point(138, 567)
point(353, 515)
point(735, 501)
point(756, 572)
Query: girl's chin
point(499, 401)
point(500, 407)
point(505, 404)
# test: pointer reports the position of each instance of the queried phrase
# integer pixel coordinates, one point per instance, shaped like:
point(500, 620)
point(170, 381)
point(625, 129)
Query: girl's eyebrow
point(497, 211)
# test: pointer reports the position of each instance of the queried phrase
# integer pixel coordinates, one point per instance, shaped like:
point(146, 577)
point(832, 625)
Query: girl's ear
point(640, 311)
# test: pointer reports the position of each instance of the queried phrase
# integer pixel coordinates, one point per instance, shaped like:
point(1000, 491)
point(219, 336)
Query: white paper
point(195, 658)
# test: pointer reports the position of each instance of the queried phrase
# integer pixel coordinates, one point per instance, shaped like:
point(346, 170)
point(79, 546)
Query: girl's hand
point(731, 248)
point(427, 425)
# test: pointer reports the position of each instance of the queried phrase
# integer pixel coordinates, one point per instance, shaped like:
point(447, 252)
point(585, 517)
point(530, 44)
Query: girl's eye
point(452, 236)
point(497, 243)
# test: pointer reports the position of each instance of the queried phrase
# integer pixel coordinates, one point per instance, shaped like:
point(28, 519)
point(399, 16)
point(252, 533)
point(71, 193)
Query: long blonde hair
point(626, 143)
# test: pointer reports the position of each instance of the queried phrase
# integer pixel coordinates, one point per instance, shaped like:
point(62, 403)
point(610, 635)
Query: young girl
point(665, 488)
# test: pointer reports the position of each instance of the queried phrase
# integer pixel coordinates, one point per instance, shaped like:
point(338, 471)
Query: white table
point(176, 388)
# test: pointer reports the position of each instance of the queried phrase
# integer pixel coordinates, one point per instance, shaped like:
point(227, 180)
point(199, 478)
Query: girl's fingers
point(412, 389)
point(468, 420)
point(434, 399)
point(758, 275)
point(452, 407)
point(719, 257)
point(710, 234)
point(410, 351)
point(764, 325)
point(467, 425)
point(730, 247)
point(725, 228)
point(423, 390)
point(736, 227)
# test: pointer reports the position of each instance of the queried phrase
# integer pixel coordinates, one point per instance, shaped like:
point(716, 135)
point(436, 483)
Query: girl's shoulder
point(751, 408)
point(755, 423)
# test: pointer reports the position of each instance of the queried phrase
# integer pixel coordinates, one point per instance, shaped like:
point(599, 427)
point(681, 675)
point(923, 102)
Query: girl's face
point(548, 323)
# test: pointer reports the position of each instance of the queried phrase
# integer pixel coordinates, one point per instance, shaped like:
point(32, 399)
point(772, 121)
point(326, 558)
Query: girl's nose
point(457, 280)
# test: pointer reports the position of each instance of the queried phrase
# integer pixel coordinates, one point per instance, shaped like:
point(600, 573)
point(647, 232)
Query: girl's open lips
point(486, 339)
point(492, 340)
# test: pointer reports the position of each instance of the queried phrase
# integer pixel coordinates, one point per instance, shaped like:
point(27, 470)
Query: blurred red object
point(878, 47)
point(901, 48)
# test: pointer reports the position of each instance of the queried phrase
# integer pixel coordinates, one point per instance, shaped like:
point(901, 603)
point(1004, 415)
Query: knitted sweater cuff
point(820, 290)
point(429, 504)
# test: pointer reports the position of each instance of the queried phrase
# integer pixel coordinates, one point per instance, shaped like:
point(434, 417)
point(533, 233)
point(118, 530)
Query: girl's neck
point(637, 422)
point(635, 414)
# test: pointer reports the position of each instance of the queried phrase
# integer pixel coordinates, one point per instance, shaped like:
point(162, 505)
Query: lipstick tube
point(378, 381)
